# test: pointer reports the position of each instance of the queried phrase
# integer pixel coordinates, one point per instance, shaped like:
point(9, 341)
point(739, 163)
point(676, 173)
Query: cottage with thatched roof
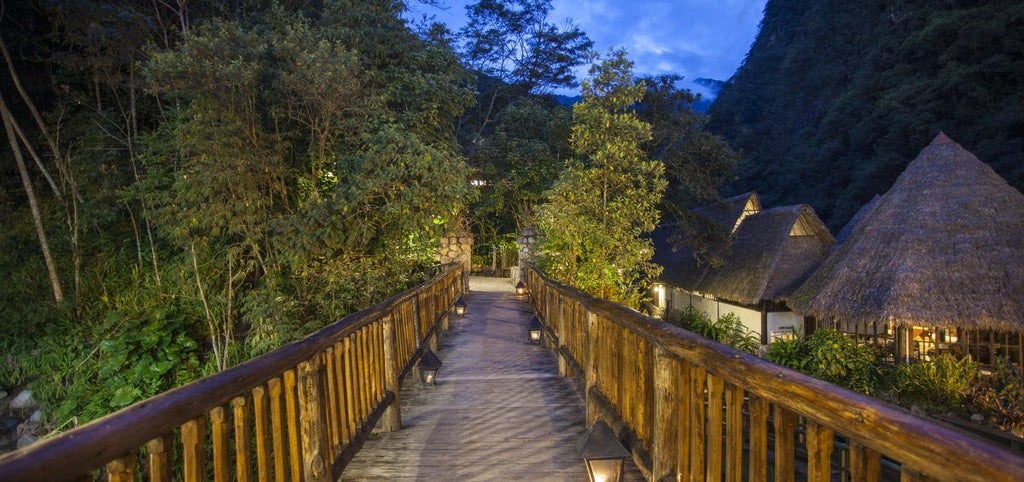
point(937, 263)
point(769, 253)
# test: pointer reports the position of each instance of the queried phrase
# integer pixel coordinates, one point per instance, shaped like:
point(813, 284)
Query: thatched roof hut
point(771, 253)
point(944, 247)
point(683, 267)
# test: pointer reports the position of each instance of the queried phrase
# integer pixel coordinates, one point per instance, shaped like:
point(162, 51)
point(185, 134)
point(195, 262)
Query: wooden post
point(590, 377)
point(417, 326)
point(219, 434)
point(392, 421)
point(243, 456)
point(193, 443)
point(159, 450)
point(311, 419)
point(663, 439)
point(121, 469)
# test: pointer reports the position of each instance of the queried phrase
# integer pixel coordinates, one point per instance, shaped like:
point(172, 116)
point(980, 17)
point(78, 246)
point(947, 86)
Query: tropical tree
point(607, 199)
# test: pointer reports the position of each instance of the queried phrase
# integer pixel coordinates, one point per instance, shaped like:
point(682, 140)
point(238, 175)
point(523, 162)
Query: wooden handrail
point(304, 406)
point(698, 410)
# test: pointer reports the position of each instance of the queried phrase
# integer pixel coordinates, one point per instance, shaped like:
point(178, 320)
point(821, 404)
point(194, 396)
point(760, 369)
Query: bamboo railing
point(691, 409)
point(298, 413)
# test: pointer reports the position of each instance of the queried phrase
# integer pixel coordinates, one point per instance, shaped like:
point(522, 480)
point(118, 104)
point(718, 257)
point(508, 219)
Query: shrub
point(941, 383)
point(836, 358)
point(789, 352)
point(1001, 397)
point(728, 329)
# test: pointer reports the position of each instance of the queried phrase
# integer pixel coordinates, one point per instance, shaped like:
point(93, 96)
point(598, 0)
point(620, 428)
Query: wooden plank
point(332, 412)
point(733, 433)
point(758, 461)
point(393, 414)
point(819, 452)
point(343, 408)
point(683, 432)
point(291, 422)
point(278, 429)
point(716, 394)
point(350, 396)
point(243, 437)
point(121, 469)
point(159, 452)
point(219, 434)
point(193, 456)
point(865, 464)
point(263, 434)
point(666, 410)
point(311, 422)
point(698, 423)
point(785, 444)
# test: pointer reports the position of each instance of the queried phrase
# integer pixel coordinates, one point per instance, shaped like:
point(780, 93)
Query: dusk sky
point(692, 38)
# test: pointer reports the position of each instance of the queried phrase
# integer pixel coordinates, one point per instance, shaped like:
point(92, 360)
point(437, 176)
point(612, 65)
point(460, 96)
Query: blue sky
point(692, 38)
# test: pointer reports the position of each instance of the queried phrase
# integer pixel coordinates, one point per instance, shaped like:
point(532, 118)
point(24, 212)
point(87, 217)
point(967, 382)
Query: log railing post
point(392, 421)
point(416, 324)
point(665, 413)
point(311, 420)
point(563, 364)
point(121, 469)
point(590, 376)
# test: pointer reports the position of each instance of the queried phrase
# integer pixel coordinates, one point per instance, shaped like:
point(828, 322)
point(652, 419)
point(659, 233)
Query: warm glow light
point(520, 288)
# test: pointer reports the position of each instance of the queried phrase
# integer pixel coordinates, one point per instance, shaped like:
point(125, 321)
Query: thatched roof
point(943, 247)
point(730, 212)
point(852, 223)
point(771, 253)
point(683, 268)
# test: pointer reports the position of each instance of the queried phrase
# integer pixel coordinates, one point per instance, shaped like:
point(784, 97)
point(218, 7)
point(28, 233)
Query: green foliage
point(942, 382)
point(831, 356)
point(728, 329)
point(836, 97)
point(607, 200)
point(1001, 397)
point(790, 352)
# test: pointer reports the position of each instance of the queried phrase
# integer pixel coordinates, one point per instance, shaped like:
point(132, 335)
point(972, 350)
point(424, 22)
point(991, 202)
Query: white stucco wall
point(678, 300)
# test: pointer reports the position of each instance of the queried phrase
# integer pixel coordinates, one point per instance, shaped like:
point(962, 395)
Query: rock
point(36, 418)
point(23, 401)
point(26, 440)
point(3, 394)
point(979, 418)
point(8, 423)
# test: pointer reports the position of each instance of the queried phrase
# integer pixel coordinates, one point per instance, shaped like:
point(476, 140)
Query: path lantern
point(460, 306)
point(602, 452)
point(428, 366)
point(536, 329)
point(520, 288)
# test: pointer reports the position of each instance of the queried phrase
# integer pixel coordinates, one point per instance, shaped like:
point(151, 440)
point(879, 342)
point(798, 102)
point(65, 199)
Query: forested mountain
point(835, 97)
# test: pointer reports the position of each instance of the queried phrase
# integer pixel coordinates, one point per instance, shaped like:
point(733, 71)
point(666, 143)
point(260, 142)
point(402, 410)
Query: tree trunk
point(8, 120)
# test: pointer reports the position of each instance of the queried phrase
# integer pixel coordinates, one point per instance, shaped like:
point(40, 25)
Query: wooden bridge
point(341, 404)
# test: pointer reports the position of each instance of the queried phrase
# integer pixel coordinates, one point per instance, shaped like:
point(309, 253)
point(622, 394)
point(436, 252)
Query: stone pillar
point(458, 248)
point(527, 241)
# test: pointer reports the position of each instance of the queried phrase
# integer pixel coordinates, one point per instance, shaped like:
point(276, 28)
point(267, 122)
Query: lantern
point(536, 329)
point(602, 452)
point(460, 307)
point(520, 288)
point(428, 366)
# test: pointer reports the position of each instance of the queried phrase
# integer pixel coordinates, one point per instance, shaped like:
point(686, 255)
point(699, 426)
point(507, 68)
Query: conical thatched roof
point(943, 247)
point(682, 267)
point(771, 252)
point(851, 225)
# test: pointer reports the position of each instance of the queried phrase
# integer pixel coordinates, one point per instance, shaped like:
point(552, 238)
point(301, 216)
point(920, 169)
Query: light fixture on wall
point(520, 288)
point(602, 452)
point(428, 366)
point(536, 329)
point(460, 306)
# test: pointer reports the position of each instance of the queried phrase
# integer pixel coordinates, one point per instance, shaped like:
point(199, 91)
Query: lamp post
point(602, 452)
point(428, 366)
point(536, 329)
point(460, 307)
point(520, 288)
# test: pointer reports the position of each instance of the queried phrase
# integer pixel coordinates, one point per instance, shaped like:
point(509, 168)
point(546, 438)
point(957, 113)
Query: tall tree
point(606, 201)
point(518, 51)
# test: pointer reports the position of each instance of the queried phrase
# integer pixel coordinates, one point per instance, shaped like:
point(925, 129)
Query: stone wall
point(527, 241)
point(458, 248)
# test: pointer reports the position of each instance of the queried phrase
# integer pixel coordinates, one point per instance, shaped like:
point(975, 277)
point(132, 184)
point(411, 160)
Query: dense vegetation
point(190, 184)
point(227, 177)
point(836, 97)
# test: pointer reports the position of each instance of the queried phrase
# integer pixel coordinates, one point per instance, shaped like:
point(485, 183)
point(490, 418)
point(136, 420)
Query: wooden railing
point(298, 413)
point(691, 409)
